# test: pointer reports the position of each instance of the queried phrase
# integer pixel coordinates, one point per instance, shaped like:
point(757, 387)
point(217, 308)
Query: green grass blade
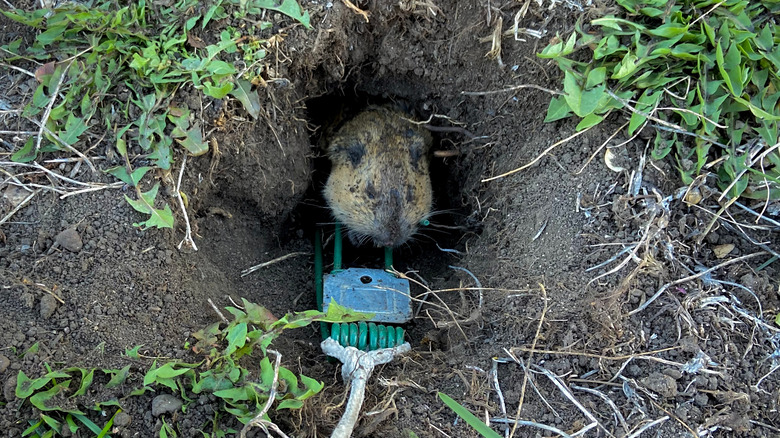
point(470, 418)
point(107, 427)
point(87, 422)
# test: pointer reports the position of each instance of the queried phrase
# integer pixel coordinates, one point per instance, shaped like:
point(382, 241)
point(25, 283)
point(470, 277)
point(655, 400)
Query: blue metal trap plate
point(372, 291)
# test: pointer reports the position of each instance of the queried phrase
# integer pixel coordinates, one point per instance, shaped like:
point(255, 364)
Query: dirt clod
point(9, 389)
point(660, 384)
point(122, 419)
point(165, 404)
point(4, 362)
point(48, 306)
point(69, 239)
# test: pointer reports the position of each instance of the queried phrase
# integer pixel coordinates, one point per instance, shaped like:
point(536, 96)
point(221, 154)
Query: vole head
point(379, 185)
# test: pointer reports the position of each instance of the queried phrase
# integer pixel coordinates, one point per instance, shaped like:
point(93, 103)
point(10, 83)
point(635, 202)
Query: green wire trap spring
point(367, 336)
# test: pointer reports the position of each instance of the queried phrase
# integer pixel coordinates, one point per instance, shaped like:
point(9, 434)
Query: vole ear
point(347, 149)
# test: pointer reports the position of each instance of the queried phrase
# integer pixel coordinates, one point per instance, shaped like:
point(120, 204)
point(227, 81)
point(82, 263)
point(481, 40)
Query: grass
point(104, 67)
point(235, 368)
point(704, 74)
point(483, 429)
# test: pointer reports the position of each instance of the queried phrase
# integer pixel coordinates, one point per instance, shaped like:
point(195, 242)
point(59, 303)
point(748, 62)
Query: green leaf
point(251, 101)
point(213, 9)
point(313, 386)
point(86, 379)
point(581, 102)
point(289, 404)
point(27, 153)
point(257, 314)
point(118, 377)
point(668, 30)
point(104, 432)
point(218, 91)
point(161, 154)
point(211, 382)
point(243, 393)
point(559, 49)
point(758, 112)
point(765, 39)
point(74, 127)
point(646, 103)
point(32, 429)
point(193, 142)
point(557, 110)
point(339, 313)
point(651, 12)
point(72, 426)
point(596, 77)
point(467, 416)
point(627, 66)
point(157, 218)
point(589, 121)
point(133, 353)
point(52, 423)
point(236, 338)
point(25, 386)
point(222, 68)
point(287, 7)
point(51, 35)
point(44, 400)
point(732, 64)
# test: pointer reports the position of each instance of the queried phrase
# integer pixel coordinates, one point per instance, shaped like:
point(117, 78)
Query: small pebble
point(673, 373)
point(4, 362)
point(165, 404)
point(661, 384)
point(9, 389)
point(48, 306)
point(122, 419)
point(70, 240)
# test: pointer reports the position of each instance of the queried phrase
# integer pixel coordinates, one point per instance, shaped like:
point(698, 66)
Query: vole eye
point(415, 154)
point(370, 190)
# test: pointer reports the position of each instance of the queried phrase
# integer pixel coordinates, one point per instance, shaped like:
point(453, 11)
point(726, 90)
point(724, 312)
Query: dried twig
point(188, 233)
point(514, 88)
point(254, 268)
point(609, 402)
point(692, 277)
point(258, 421)
point(19, 206)
point(557, 382)
point(606, 142)
point(531, 424)
point(356, 9)
point(530, 356)
point(219, 313)
point(642, 429)
point(499, 393)
point(546, 151)
point(758, 383)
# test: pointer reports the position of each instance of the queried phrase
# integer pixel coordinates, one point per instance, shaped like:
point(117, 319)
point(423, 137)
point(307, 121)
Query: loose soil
point(698, 359)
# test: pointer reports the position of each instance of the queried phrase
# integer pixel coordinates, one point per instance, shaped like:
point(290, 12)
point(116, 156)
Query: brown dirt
point(261, 199)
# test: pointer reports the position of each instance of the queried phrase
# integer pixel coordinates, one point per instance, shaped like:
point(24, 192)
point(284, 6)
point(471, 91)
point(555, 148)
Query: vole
point(379, 186)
